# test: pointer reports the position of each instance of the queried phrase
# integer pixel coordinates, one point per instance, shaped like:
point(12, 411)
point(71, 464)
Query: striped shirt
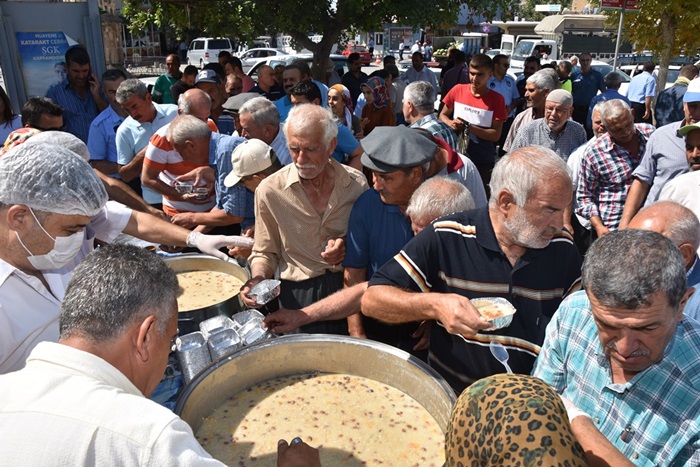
point(659, 408)
point(606, 176)
point(460, 254)
point(78, 112)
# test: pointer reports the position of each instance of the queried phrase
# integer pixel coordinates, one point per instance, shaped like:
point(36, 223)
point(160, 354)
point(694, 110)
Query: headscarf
point(347, 99)
point(378, 88)
point(18, 137)
point(510, 419)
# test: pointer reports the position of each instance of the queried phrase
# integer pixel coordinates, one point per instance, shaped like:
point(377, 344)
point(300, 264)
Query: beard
point(523, 232)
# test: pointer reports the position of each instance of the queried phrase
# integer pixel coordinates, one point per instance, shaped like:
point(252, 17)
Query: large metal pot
point(321, 353)
point(188, 321)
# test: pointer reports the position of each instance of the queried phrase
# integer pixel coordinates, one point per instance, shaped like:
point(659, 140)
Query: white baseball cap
point(249, 158)
point(693, 92)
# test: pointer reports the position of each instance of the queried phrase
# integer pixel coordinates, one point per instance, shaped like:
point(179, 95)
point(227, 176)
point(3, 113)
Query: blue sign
point(42, 57)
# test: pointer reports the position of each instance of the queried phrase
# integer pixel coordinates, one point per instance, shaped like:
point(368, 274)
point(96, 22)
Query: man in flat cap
point(513, 249)
point(399, 159)
point(607, 166)
point(555, 131)
point(301, 217)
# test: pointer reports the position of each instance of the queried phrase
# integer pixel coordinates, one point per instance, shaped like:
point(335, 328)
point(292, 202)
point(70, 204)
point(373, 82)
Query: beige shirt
point(289, 233)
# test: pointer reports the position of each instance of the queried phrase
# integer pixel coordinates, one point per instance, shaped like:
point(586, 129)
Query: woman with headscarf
point(511, 419)
point(377, 111)
point(340, 103)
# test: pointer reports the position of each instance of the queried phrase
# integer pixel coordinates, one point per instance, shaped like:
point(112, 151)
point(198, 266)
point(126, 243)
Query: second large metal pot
point(188, 321)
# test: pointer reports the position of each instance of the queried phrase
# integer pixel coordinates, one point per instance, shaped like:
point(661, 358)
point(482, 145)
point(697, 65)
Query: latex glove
point(572, 411)
point(210, 244)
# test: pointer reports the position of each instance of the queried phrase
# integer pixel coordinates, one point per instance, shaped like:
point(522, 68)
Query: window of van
point(218, 44)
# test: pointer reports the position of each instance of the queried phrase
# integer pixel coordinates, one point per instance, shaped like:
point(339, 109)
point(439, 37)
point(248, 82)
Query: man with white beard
point(513, 249)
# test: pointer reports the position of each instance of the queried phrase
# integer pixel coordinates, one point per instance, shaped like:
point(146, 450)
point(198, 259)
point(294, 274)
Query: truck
point(560, 37)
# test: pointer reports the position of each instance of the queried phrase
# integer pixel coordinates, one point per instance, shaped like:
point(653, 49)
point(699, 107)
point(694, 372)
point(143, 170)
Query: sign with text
point(628, 5)
point(556, 8)
point(42, 56)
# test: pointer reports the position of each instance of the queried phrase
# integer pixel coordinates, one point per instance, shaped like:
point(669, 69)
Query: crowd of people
point(382, 218)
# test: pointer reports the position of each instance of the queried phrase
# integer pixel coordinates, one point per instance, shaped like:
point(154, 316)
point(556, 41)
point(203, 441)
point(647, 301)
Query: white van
point(203, 50)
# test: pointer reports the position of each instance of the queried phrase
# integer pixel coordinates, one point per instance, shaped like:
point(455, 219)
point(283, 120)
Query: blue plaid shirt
point(660, 405)
point(437, 128)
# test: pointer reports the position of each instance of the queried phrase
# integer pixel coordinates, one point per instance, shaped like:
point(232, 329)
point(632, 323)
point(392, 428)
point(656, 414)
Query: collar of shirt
point(341, 175)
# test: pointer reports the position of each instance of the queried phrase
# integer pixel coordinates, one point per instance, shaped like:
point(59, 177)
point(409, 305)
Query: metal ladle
point(501, 354)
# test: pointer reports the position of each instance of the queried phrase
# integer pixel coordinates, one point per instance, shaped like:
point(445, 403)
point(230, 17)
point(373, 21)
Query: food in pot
point(205, 288)
point(353, 420)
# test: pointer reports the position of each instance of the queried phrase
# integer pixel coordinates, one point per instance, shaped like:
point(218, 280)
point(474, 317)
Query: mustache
point(636, 353)
point(695, 160)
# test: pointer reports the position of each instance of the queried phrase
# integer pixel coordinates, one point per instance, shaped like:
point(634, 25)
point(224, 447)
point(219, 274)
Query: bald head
point(195, 102)
point(673, 221)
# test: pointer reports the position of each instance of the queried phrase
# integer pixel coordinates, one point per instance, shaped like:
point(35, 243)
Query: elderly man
point(419, 112)
point(607, 166)
point(161, 90)
point(664, 157)
point(681, 226)
point(613, 81)
point(537, 87)
point(79, 94)
point(53, 209)
point(669, 104)
point(266, 85)
point(103, 129)
point(301, 215)
point(260, 119)
point(512, 249)
point(555, 131)
point(118, 324)
point(145, 118)
point(434, 198)
point(641, 91)
point(622, 354)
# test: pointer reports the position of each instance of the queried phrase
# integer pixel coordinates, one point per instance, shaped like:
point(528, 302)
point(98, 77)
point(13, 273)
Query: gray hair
point(613, 80)
point(544, 80)
point(624, 269)
point(114, 288)
point(131, 87)
point(554, 77)
point(192, 99)
point(525, 169)
point(614, 109)
point(305, 117)
point(262, 111)
point(422, 95)
point(438, 197)
point(187, 127)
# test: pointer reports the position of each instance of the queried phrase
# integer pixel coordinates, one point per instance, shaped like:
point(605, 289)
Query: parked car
point(365, 57)
point(204, 50)
point(340, 62)
point(252, 57)
point(671, 77)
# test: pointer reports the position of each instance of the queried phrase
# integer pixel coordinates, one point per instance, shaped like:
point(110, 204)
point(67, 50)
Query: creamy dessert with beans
point(205, 288)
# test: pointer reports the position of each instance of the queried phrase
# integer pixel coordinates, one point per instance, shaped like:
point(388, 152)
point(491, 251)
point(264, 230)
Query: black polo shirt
point(460, 254)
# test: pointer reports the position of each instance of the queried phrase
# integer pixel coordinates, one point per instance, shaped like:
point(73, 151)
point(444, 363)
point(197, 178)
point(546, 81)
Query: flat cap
point(390, 148)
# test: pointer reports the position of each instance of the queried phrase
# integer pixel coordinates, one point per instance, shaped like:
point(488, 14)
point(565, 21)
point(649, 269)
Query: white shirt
point(411, 75)
point(71, 408)
point(279, 144)
point(574, 163)
point(29, 312)
point(684, 190)
point(468, 175)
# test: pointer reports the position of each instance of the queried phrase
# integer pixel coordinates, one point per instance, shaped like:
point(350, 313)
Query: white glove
point(210, 244)
point(572, 411)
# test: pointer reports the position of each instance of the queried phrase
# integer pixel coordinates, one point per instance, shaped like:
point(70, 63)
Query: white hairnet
point(63, 139)
point(50, 178)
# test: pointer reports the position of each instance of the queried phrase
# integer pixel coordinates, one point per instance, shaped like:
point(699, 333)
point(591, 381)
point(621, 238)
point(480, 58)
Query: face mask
point(64, 250)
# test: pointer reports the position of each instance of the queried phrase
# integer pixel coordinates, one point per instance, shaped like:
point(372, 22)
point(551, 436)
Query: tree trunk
point(668, 26)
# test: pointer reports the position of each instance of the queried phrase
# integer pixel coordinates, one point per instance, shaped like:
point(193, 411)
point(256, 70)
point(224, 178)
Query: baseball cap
point(207, 76)
point(693, 92)
point(250, 157)
point(390, 148)
point(688, 128)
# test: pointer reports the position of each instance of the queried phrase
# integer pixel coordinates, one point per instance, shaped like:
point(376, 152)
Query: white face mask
point(64, 250)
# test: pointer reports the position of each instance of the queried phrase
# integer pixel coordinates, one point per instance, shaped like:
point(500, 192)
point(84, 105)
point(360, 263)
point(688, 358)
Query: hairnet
point(50, 178)
point(63, 139)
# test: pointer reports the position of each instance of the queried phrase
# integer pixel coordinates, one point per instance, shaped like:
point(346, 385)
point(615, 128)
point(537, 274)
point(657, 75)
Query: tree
point(666, 27)
point(298, 18)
